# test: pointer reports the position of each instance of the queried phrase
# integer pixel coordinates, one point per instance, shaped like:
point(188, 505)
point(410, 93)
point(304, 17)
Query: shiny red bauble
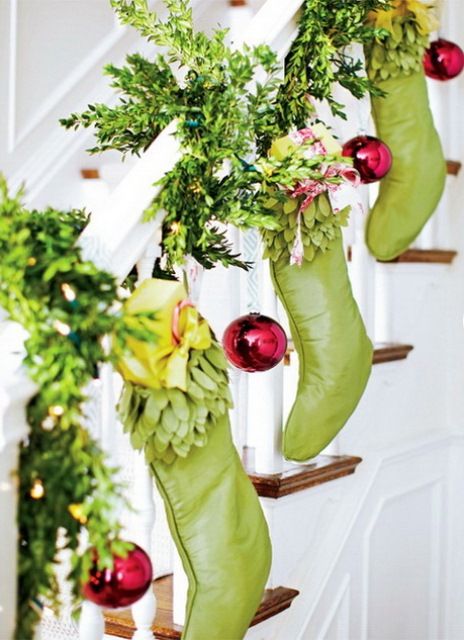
point(371, 157)
point(254, 342)
point(443, 60)
point(124, 584)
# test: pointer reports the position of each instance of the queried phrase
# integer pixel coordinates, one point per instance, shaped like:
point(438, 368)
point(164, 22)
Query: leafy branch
point(319, 58)
point(221, 110)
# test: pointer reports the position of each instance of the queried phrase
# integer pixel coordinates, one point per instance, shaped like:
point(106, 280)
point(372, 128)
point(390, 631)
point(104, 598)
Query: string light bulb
point(77, 512)
point(48, 423)
point(62, 328)
point(68, 292)
point(37, 491)
point(31, 262)
point(56, 411)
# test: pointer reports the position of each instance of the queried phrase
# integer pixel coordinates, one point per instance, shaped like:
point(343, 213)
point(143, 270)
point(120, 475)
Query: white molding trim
point(340, 599)
point(435, 484)
point(376, 461)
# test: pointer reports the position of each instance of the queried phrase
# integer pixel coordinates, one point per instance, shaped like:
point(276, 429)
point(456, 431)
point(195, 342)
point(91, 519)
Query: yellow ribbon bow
point(177, 328)
point(422, 11)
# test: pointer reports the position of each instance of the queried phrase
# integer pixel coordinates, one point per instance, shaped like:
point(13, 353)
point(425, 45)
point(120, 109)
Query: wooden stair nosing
point(121, 624)
point(383, 352)
point(391, 352)
point(297, 477)
point(424, 256)
point(453, 167)
point(419, 256)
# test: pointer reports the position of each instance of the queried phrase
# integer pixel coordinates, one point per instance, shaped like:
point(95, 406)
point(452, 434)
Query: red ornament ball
point(124, 584)
point(443, 60)
point(254, 343)
point(371, 157)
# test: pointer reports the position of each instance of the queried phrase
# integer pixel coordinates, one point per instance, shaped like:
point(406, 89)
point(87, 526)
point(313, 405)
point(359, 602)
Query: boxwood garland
point(319, 58)
point(66, 305)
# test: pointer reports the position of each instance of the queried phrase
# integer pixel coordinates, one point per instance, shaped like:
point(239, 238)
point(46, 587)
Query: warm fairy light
point(56, 410)
point(48, 423)
point(68, 292)
point(195, 187)
point(77, 512)
point(31, 261)
point(38, 491)
point(175, 227)
point(62, 327)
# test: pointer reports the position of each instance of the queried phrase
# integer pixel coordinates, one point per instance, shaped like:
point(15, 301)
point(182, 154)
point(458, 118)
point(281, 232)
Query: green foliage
point(399, 52)
point(167, 423)
point(318, 58)
point(66, 305)
point(221, 111)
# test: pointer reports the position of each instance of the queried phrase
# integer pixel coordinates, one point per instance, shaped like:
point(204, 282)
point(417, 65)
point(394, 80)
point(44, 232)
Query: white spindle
point(91, 622)
point(265, 412)
point(143, 611)
point(363, 268)
point(180, 587)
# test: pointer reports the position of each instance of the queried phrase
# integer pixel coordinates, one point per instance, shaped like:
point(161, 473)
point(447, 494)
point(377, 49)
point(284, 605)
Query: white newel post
point(16, 389)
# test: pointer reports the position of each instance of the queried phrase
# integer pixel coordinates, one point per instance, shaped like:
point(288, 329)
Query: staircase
point(366, 535)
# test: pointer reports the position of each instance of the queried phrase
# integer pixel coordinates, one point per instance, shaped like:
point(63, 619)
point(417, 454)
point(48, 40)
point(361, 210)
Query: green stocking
point(411, 191)
point(221, 535)
point(335, 354)
point(177, 413)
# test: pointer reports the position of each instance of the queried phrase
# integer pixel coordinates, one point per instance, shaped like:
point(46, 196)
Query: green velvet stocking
point(334, 351)
point(221, 535)
point(411, 191)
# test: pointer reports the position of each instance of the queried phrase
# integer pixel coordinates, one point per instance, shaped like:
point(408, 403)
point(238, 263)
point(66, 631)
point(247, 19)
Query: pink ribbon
point(310, 188)
point(176, 338)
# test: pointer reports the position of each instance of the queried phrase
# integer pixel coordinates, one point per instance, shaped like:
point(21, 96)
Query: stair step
point(430, 256)
point(297, 477)
point(453, 167)
point(90, 174)
point(383, 352)
point(121, 624)
point(435, 256)
point(390, 352)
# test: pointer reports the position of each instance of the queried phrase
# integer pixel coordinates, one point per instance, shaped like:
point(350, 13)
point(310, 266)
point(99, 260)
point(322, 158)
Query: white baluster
point(143, 611)
point(363, 268)
point(266, 397)
point(15, 391)
point(240, 14)
point(179, 591)
point(91, 623)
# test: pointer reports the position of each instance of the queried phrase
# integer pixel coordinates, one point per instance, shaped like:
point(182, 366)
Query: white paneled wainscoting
point(374, 547)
